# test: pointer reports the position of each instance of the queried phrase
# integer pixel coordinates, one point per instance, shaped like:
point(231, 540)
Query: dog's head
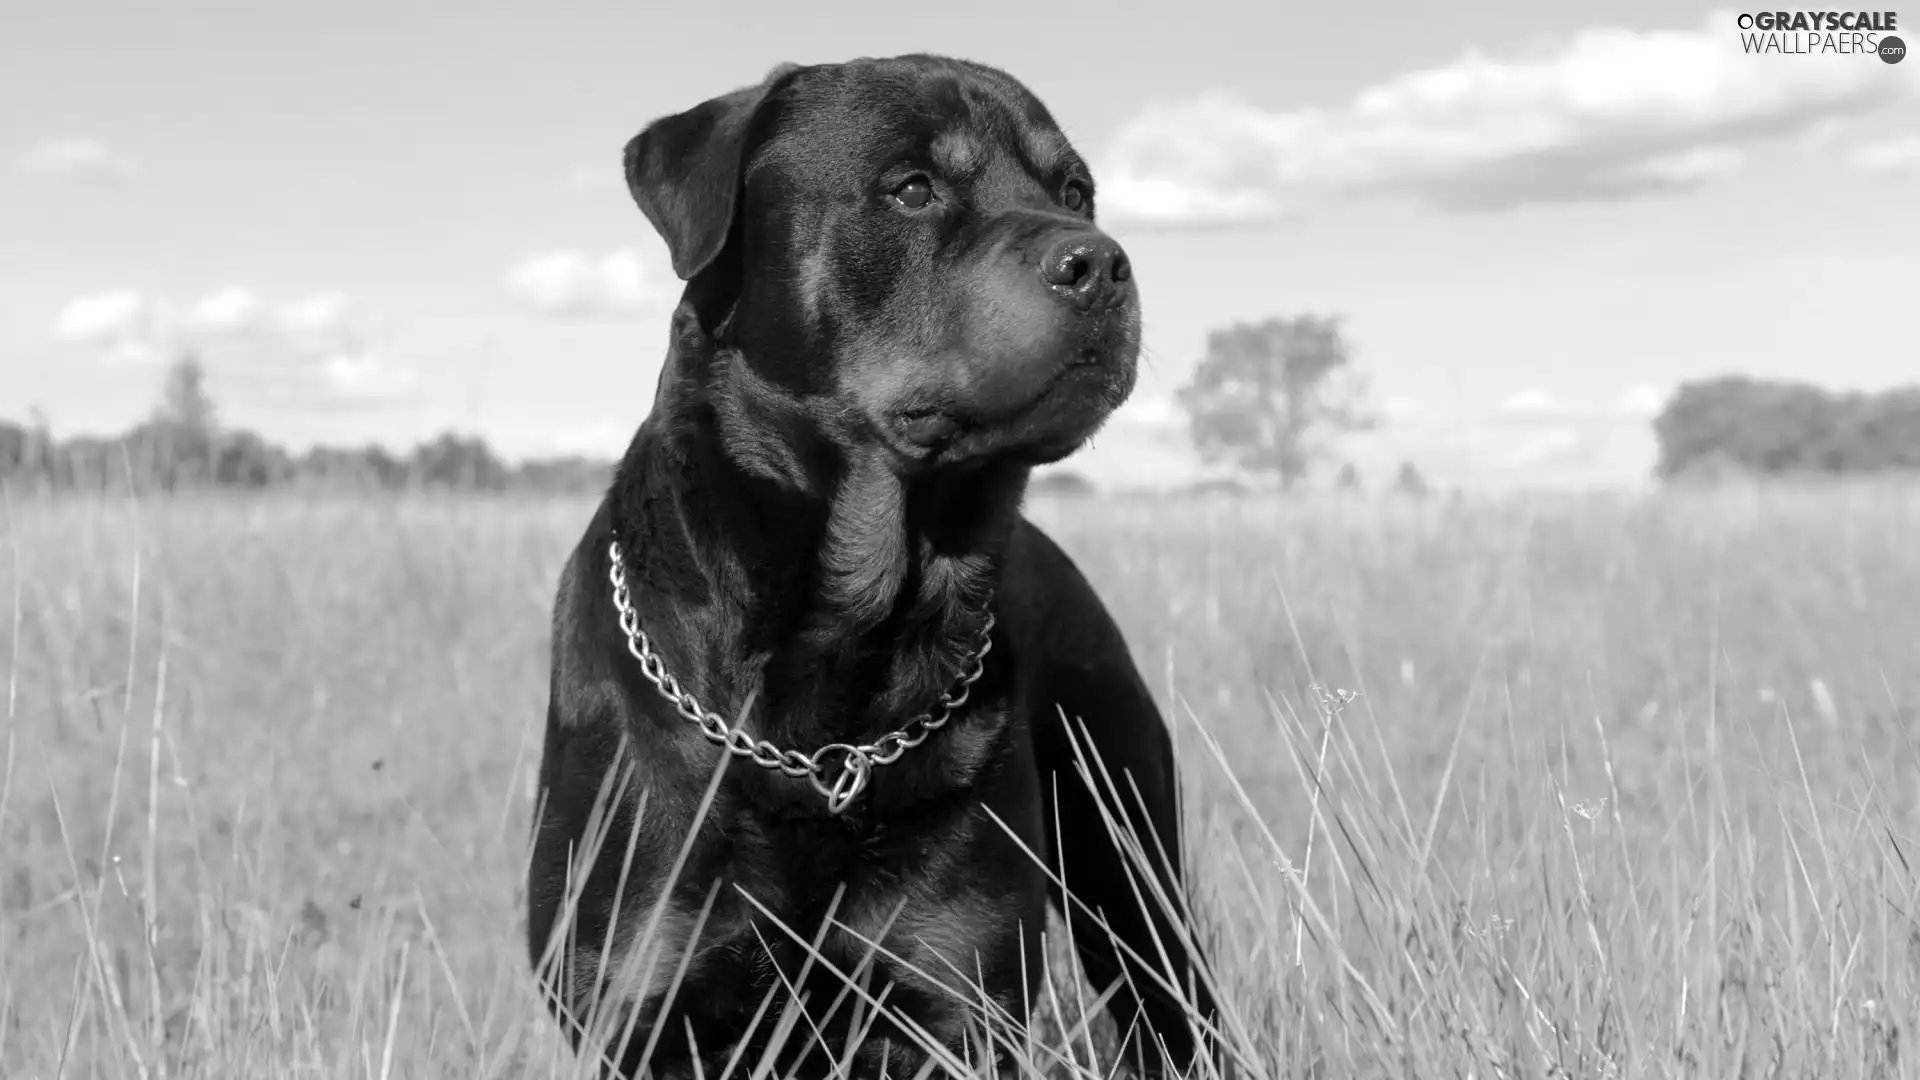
point(907, 246)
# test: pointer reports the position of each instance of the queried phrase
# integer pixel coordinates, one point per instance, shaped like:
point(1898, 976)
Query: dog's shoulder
point(586, 565)
point(1037, 566)
point(1050, 605)
point(589, 642)
point(584, 623)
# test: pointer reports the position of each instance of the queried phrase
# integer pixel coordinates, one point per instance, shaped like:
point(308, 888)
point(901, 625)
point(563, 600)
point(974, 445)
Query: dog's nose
point(1087, 268)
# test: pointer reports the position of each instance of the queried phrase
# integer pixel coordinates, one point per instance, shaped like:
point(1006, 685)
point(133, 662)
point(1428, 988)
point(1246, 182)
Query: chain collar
point(856, 763)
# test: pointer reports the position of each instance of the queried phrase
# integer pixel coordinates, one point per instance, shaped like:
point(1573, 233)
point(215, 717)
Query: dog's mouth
point(934, 426)
point(928, 426)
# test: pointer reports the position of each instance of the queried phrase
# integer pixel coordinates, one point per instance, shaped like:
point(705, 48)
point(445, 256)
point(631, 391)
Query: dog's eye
point(1075, 196)
point(914, 194)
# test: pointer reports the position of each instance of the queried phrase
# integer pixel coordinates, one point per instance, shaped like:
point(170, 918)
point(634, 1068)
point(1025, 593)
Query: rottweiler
point(821, 696)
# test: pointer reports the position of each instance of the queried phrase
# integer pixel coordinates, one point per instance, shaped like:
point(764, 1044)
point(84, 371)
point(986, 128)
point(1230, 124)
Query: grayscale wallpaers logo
point(1823, 33)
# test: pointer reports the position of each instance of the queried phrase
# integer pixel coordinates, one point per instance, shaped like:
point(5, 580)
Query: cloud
point(1642, 400)
point(104, 317)
point(1539, 409)
point(1531, 404)
point(572, 284)
point(1898, 154)
point(125, 326)
point(1491, 450)
point(304, 352)
point(228, 311)
point(364, 378)
point(1156, 412)
point(1558, 445)
point(316, 314)
point(315, 325)
point(77, 159)
point(1609, 114)
point(1398, 408)
point(1531, 436)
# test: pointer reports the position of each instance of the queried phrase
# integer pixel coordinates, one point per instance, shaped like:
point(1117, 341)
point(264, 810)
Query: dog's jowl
point(820, 693)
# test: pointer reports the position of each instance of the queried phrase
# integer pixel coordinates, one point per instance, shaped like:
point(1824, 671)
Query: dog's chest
point(906, 889)
point(952, 761)
point(912, 830)
point(909, 902)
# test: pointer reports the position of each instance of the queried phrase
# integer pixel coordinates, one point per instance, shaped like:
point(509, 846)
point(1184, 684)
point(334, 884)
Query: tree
point(1064, 483)
point(244, 459)
point(1348, 478)
point(41, 448)
point(1410, 482)
point(1741, 424)
point(178, 443)
point(1265, 389)
point(14, 449)
point(461, 462)
point(184, 401)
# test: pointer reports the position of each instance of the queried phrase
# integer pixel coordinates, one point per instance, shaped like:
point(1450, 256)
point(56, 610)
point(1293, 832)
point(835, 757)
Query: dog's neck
point(773, 559)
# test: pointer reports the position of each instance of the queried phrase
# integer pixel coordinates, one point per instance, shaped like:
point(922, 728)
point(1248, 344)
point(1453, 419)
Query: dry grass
point(1626, 789)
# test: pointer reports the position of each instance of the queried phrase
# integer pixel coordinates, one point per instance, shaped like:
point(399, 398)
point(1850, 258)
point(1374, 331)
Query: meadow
point(1568, 786)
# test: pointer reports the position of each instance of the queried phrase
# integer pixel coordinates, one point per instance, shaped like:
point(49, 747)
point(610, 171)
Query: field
point(1617, 787)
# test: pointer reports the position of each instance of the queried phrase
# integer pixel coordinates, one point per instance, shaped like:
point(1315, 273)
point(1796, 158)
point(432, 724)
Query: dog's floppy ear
point(685, 171)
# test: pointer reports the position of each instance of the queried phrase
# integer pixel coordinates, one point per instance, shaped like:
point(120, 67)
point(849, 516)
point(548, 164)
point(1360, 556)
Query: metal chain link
point(856, 762)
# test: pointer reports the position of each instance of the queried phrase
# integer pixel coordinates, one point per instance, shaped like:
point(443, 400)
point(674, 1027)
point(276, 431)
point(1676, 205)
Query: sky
point(379, 221)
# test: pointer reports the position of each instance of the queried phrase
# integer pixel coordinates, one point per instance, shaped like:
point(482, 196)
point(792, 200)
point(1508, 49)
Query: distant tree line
point(1740, 424)
point(1264, 399)
point(1271, 398)
point(182, 445)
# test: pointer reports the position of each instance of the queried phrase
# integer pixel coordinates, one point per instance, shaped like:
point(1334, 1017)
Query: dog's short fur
point(897, 304)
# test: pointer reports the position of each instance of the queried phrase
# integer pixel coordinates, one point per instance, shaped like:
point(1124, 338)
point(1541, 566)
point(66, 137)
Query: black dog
point(897, 304)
